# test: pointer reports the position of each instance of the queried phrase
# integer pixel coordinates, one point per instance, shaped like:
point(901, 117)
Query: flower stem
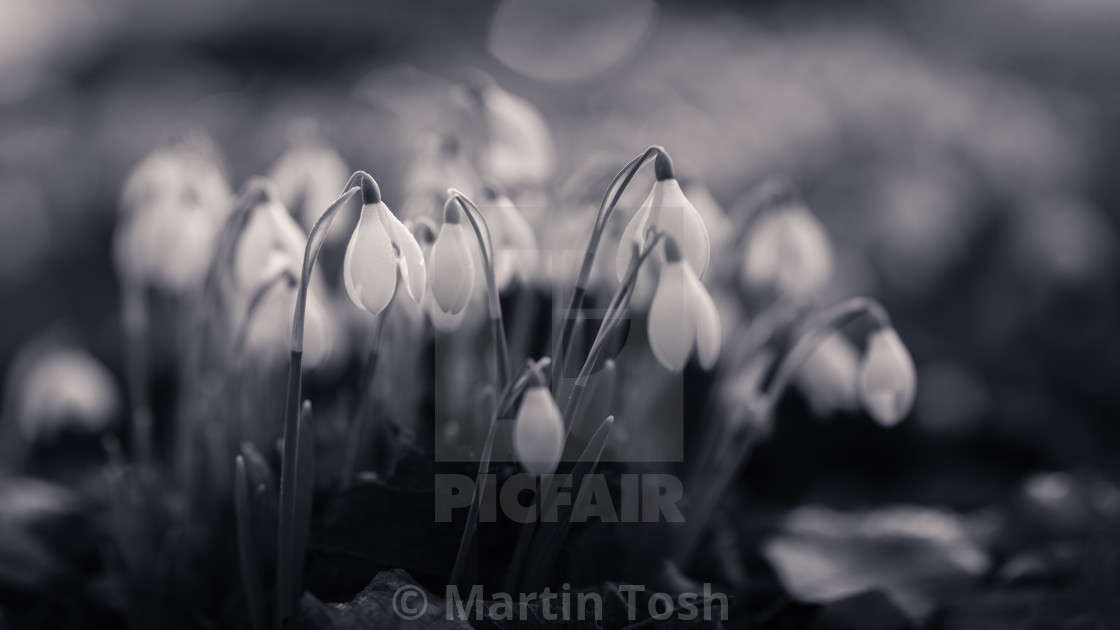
point(611, 319)
point(288, 463)
point(738, 446)
point(353, 454)
point(466, 544)
point(497, 324)
point(135, 322)
point(606, 208)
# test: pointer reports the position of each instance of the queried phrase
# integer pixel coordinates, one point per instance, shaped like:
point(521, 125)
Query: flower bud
point(380, 247)
point(682, 316)
point(452, 265)
point(270, 241)
point(667, 210)
point(54, 387)
point(787, 252)
point(519, 149)
point(829, 378)
point(538, 432)
point(308, 177)
point(172, 207)
point(515, 245)
point(269, 328)
point(888, 380)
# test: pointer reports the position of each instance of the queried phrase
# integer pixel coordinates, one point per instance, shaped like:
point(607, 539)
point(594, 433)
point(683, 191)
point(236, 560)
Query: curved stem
point(205, 313)
point(314, 243)
point(285, 540)
point(606, 208)
point(818, 328)
point(486, 245)
point(241, 336)
point(611, 320)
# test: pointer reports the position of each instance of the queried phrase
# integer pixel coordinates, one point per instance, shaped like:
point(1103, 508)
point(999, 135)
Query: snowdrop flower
point(270, 241)
point(270, 326)
point(829, 378)
point(380, 248)
point(172, 207)
point(266, 262)
point(538, 431)
point(682, 316)
point(887, 379)
point(452, 265)
point(55, 387)
point(515, 245)
point(308, 176)
point(787, 252)
point(667, 210)
point(440, 163)
point(518, 149)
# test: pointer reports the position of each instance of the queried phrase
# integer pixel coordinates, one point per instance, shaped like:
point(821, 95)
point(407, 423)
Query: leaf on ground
point(916, 555)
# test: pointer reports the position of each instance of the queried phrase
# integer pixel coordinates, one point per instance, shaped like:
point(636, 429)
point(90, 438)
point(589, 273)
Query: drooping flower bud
point(451, 262)
point(829, 378)
point(55, 387)
point(519, 149)
point(269, 328)
point(266, 264)
point(380, 247)
point(172, 207)
point(538, 432)
point(667, 210)
point(515, 245)
point(787, 252)
point(270, 241)
point(308, 177)
point(888, 380)
point(682, 316)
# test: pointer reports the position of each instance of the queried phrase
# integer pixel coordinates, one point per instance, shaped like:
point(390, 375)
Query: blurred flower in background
point(956, 160)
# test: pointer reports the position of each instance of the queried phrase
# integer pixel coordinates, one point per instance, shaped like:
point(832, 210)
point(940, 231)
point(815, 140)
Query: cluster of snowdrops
point(738, 299)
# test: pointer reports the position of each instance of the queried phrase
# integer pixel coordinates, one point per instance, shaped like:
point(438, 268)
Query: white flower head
point(682, 317)
point(519, 149)
point(266, 264)
point(538, 432)
point(380, 247)
point(787, 252)
point(308, 177)
point(829, 378)
point(55, 387)
point(888, 381)
point(667, 210)
point(172, 207)
point(452, 263)
point(270, 241)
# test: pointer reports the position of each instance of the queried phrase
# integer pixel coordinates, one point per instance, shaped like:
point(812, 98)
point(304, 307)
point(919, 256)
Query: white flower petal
point(672, 328)
point(788, 251)
point(830, 376)
point(521, 148)
point(538, 432)
point(370, 267)
point(635, 230)
point(410, 257)
point(452, 268)
point(679, 218)
point(706, 316)
point(888, 380)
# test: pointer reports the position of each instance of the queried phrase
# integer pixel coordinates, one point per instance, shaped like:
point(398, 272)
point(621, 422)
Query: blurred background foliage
point(961, 153)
